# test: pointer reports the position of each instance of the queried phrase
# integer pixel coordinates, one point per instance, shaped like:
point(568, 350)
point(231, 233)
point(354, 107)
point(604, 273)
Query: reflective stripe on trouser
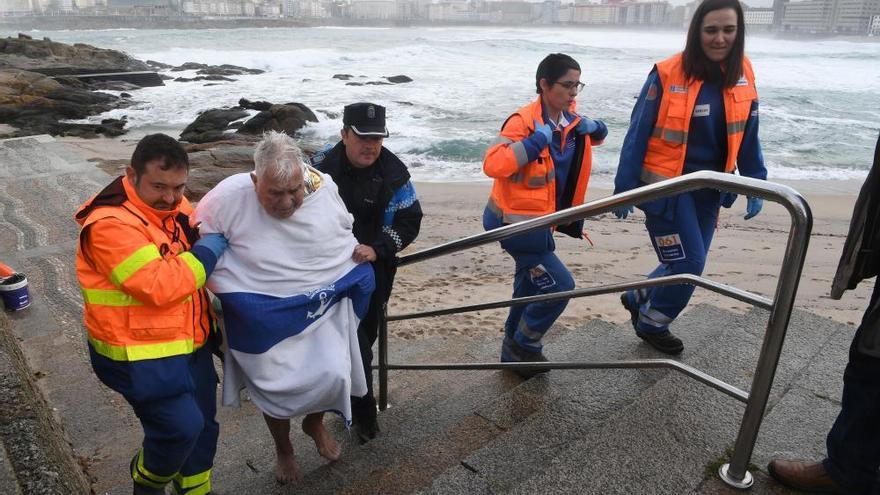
point(681, 245)
point(180, 432)
point(536, 273)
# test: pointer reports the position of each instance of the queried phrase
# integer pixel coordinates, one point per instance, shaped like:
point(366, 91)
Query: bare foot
point(313, 425)
point(286, 469)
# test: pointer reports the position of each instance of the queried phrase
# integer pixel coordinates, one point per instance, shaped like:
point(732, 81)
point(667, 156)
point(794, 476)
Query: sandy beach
point(745, 254)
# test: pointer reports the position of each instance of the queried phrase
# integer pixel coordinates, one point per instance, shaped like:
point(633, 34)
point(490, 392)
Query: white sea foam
point(819, 116)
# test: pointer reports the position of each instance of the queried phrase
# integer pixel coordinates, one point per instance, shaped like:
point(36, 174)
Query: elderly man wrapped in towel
point(292, 296)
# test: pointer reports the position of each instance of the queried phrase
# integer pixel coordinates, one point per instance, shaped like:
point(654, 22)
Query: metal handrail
point(735, 473)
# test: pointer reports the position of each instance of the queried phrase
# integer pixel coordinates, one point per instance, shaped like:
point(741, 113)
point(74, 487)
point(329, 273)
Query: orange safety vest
point(141, 287)
point(667, 145)
point(523, 190)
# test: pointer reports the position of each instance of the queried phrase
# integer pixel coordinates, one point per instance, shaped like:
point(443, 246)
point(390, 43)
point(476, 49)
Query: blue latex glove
point(727, 199)
point(622, 212)
point(586, 126)
point(753, 207)
point(215, 243)
point(545, 130)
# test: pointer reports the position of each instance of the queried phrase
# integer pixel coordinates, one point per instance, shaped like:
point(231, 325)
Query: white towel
point(292, 300)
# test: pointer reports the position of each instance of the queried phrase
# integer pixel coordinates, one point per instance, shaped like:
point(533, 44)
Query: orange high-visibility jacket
point(141, 287)
point(523, 190)
point(667, 145)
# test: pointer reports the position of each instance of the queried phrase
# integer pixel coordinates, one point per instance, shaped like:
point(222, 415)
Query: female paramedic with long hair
point(541, 164)
point(698, 110)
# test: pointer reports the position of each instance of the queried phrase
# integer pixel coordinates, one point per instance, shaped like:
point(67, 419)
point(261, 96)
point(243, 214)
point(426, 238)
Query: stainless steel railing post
point(736, 473)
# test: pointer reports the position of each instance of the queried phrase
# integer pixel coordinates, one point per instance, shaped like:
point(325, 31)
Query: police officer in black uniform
point(375, 186)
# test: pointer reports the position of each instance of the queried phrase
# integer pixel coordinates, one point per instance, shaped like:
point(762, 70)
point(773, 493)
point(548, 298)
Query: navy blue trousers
point(681, 229)
point(854, 441)
point(177, 410)
point(538, 271)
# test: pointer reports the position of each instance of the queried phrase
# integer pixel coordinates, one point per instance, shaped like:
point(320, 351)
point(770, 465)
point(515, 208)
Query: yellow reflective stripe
point(196, 266)
point(193, 480)
point(144, 476)
point(134, 263)
point(104, 297)
point(199, 490)
point(139, 352)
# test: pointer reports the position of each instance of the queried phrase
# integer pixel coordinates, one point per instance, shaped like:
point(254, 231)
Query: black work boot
point(511, 352)
point(663, 341)
point(364, 416)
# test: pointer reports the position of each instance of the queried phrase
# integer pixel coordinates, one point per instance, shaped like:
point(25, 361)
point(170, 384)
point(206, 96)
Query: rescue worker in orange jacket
point(541, 163)
point(141, 270)
point(698, 110)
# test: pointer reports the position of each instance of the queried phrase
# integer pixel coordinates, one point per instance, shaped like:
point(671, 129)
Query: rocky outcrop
point(203, 78)
point(213, 125)
point(399, 79)
point(34, 104)
point(287, 118)
point(52, 58)
point(220, 124)
point(216, 70)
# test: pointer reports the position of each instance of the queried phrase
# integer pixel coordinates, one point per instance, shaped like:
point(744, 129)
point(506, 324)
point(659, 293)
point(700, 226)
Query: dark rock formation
point(212, 125)
point(399, 79)
point(287, 118)
point(227, 70)
point(58, 58)
point(254, 105)
point(158, 65)
point(203, 78)
point(34, 103)
point(189, 66)
point(342, 77)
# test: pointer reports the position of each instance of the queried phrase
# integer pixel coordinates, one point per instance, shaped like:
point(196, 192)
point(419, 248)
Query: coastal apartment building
point(830, 16)
point(875, 26)
point(760, 19)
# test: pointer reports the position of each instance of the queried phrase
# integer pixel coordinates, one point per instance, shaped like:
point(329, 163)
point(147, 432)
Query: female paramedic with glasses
point(698, 110)
point(541, 164)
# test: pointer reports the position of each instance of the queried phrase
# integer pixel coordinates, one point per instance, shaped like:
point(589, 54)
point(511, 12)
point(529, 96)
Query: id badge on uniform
point(541, 278)
point(669, 247)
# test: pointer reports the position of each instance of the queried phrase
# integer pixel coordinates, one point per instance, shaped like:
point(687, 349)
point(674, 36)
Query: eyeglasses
point(569, 85)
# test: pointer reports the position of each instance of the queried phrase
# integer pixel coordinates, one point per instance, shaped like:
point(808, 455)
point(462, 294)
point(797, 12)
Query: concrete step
point(585, 430)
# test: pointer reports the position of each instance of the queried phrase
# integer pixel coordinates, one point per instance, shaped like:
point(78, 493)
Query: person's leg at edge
point(313, 426)
point(194, 477)
point(363, 409)
point(679, 245)
point(286, 467)
point(854, 440)
point(172, 427)
point(541, 273)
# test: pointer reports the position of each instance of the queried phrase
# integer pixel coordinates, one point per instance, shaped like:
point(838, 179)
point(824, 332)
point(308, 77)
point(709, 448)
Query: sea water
point(818, 99)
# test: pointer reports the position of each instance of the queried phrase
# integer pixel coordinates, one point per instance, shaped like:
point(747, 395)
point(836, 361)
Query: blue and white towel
point(292, 299)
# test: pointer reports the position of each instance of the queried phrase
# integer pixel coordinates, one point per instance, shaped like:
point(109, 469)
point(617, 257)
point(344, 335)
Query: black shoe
point(511, 352)
point(633, 310)
point(364, 416)
point(663, 341)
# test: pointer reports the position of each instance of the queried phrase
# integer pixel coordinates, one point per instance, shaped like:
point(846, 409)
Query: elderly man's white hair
point(277, 156)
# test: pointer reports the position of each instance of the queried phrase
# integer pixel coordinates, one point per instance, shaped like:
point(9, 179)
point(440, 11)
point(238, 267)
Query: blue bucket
point(14, 292)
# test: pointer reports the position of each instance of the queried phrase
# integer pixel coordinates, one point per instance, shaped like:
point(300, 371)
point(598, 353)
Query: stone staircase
point(475, 432)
